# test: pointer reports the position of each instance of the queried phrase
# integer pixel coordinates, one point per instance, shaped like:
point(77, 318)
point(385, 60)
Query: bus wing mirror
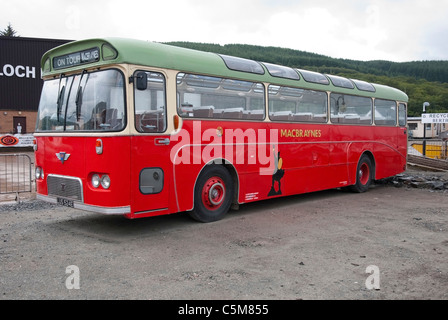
point(142, 81)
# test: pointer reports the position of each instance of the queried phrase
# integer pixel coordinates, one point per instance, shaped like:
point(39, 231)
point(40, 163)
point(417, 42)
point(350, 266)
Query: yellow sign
point(299, 133)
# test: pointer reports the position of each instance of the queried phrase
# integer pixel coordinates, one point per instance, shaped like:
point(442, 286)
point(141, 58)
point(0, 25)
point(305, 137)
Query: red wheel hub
point(213, 193)
point(364, 174)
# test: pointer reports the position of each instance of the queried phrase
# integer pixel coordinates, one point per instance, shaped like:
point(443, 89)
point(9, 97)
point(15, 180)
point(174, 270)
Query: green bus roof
point(107, 51)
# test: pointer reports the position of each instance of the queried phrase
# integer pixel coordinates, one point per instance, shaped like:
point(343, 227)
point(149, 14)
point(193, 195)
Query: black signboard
point(20, 77)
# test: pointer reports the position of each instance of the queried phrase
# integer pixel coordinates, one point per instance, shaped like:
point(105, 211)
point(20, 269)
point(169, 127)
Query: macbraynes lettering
point(299, 133)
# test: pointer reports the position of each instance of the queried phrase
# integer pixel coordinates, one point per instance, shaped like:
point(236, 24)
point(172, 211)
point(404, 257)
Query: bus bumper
point(87, 207)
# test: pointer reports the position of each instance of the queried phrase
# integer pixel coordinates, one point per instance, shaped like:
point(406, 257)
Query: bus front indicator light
point(99, 146)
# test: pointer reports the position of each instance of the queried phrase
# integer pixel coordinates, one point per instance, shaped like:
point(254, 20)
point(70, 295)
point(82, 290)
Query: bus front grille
point(65, 187)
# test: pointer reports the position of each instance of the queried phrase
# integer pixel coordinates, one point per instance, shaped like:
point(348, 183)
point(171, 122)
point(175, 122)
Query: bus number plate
point(66, 202)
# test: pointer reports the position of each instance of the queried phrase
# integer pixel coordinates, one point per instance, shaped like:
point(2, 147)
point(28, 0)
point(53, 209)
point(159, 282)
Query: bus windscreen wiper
point(60, 97)
point(79, 95)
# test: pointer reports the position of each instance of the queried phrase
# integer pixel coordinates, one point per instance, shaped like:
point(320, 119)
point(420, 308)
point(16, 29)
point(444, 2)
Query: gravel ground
point(312, 246)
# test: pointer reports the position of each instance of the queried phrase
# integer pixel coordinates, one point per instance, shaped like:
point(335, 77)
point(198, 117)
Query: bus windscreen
point(84, 102)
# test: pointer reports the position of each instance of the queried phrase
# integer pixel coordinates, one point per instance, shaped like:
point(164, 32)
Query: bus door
point(151, 175)
point(150, 149)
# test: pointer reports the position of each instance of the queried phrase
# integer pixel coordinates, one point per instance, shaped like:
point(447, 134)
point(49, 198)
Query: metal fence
point(430, 148)
point(16, 172)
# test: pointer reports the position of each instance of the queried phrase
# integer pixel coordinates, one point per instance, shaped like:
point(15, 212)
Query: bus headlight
point(96, 181)
point(105, 181)
point(39, 173)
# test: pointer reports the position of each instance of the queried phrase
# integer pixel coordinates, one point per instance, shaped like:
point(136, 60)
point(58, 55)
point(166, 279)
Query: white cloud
point(399, 30)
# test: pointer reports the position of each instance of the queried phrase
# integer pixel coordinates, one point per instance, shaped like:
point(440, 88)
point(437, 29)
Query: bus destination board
point(76, 59)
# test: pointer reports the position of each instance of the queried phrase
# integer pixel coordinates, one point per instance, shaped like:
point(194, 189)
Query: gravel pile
point(423, 180)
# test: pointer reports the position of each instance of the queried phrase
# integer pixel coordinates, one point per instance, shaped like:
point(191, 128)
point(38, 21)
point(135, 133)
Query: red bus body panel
point(314, 157)
point(83, 162)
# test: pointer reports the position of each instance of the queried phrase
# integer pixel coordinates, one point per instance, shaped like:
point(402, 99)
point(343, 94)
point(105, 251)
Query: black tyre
point(364, 174)
point(213, 194)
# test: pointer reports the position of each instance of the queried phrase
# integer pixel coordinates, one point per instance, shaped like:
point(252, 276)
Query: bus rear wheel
point(212, 195)
point(364, 175)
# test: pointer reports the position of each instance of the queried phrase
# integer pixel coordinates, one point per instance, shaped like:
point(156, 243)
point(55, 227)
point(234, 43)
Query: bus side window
point(385, 112)
point(349, 109)
point(150, 104)
point(297, 105)
point(219, 98)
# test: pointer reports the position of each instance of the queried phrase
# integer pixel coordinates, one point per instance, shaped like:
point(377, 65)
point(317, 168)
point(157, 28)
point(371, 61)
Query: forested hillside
point(421, 80)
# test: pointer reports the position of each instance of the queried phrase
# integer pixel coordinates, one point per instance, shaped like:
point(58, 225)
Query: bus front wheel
point(213, 194)
point(364, 175)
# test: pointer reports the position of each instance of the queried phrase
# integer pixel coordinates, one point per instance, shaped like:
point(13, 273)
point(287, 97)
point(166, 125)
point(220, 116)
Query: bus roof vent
point(364, 86)
point(241, 64)
point(281, 71)
point(341, 82)
point(314, 77)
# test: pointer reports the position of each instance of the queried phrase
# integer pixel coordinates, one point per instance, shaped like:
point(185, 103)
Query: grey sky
point(396, 30)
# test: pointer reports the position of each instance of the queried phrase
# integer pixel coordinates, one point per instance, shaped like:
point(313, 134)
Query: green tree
point(8, 32)
point(421, 80)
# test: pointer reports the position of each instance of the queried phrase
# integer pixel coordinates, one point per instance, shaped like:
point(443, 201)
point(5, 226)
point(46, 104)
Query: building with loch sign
point(21, 83)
